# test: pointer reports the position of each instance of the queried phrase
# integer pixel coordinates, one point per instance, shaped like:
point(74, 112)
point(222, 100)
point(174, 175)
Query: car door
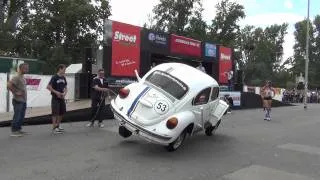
point(213, 103)
point(201, 108)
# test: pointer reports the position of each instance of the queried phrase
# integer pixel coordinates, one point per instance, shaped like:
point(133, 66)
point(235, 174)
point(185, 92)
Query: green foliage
point(174, 15)
point(54, 31)
point(261, 53)
point(298, 62)
point(225, 28)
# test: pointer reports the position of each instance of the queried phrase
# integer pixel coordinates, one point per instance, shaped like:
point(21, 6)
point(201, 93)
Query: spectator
point(58, 88)
point(100, 88)
point(17, 85)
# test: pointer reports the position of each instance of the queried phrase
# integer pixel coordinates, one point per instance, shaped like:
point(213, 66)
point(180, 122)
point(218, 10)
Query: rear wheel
point(124, 132)
point(177, 143)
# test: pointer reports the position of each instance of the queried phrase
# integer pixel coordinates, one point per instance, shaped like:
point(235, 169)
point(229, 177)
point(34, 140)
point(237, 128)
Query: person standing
point(201, 68)
point(267, 93)
point(230, 76)
point(17, 85)
point(58, 88)
point(100, 88)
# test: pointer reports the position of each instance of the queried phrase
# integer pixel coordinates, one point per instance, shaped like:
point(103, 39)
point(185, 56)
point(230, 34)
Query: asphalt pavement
point(245, 147)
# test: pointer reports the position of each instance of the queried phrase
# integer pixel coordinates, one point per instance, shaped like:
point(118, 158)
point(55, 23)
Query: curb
point(71, 116)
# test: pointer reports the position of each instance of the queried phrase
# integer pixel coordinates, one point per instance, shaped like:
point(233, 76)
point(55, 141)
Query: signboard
point(225, 63)
point(210, 50)
point(125, 49)
point(185, 46)
point(156, 42)
point(32, 83)
point(236, 96)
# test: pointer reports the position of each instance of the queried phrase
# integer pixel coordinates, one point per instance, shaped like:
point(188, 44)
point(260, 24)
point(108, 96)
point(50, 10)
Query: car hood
point(145, 105)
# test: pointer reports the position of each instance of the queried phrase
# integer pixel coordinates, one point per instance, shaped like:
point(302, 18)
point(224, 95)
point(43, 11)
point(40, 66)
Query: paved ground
point(244, 148)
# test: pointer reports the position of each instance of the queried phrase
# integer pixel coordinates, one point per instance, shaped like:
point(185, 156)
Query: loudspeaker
point(88, 60)
point(238, 87)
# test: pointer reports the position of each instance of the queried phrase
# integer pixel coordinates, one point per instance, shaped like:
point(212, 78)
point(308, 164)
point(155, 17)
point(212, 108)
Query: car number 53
point(161, 107)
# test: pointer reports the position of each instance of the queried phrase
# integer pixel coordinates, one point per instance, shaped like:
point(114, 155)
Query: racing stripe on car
point(135, 102)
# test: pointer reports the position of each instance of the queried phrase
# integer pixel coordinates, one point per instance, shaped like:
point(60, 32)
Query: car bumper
point(138, 130)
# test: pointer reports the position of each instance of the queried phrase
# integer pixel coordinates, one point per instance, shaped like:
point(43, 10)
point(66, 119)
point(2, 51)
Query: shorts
point(58, 107)
point(267, 98)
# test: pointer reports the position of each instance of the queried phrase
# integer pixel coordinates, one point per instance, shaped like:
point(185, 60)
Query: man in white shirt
point(201, 68)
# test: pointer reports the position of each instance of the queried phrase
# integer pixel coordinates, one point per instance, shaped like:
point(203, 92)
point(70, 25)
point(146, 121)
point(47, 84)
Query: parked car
point(169, 102)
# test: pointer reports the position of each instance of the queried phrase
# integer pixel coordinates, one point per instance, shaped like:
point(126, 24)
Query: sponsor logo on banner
point(235, 95)
point(127, 38)
point(225, 57)
point(210, 50)
point(125, 49)
point(185, 46)
point(157, 38)
point(32, 84)
point(225, 63)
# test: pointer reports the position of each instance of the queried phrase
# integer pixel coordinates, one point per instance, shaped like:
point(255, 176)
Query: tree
point(197, 27)
point(261, 53)
point(57, 31)
point(225, 28)
point(174, 15)
point(298, 62)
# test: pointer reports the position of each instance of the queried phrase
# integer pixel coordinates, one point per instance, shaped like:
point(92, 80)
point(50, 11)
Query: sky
point(259, 13)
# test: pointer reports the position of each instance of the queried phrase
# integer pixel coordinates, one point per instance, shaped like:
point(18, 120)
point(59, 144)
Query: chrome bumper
point(150, 136)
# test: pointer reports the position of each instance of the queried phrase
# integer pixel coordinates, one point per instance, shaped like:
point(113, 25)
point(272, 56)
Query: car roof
point(193, 77)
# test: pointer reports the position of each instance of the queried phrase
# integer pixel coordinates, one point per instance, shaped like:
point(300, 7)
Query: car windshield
point(168, 83)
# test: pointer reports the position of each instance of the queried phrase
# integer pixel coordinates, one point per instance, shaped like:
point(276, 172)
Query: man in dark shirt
point(100, 88)
point(58, 88)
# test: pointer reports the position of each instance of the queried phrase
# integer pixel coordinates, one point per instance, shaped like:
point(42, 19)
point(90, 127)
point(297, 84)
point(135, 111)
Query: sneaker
point(60, 128)
point(56, 131)
point(23, 132)
point(90, 124)
point(16, 134)
point(101, 125)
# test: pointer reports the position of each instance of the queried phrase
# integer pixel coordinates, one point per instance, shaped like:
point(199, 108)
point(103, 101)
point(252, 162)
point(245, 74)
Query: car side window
point(202, 97)
point(215, 93)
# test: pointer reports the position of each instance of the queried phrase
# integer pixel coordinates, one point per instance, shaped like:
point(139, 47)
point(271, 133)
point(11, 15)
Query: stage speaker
point(239, 77)
point(238, 87)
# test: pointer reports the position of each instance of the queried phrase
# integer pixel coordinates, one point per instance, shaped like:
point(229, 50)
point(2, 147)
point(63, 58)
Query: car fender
point(185, 118)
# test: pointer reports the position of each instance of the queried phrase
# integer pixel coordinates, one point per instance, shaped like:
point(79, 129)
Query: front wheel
point(177, 143)
point(211, 129)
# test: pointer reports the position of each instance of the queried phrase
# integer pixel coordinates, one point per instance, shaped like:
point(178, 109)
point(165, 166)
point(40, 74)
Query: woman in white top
point(267, 93)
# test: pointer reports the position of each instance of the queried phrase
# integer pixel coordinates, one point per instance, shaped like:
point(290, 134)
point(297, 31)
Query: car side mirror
point(137, 75)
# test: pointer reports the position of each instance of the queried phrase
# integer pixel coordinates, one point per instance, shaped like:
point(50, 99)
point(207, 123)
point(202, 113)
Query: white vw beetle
point(169, 102)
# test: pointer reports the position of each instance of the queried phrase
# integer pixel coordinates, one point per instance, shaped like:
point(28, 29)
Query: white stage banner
point(38, 95)
point(3, 92)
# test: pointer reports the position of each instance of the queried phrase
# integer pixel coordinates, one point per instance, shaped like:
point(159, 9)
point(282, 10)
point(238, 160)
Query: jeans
point(19, 113)
point(96, 109)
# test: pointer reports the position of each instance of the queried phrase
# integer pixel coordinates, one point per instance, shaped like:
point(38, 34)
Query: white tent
point(74, 68)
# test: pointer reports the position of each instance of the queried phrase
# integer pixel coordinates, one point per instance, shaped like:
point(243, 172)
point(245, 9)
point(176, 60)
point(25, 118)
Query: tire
point(211, 129)
point(177, 143)
point(124, 132)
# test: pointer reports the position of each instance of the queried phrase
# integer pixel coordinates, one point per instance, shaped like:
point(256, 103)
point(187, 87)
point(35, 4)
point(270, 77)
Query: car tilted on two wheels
point(169, 102)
